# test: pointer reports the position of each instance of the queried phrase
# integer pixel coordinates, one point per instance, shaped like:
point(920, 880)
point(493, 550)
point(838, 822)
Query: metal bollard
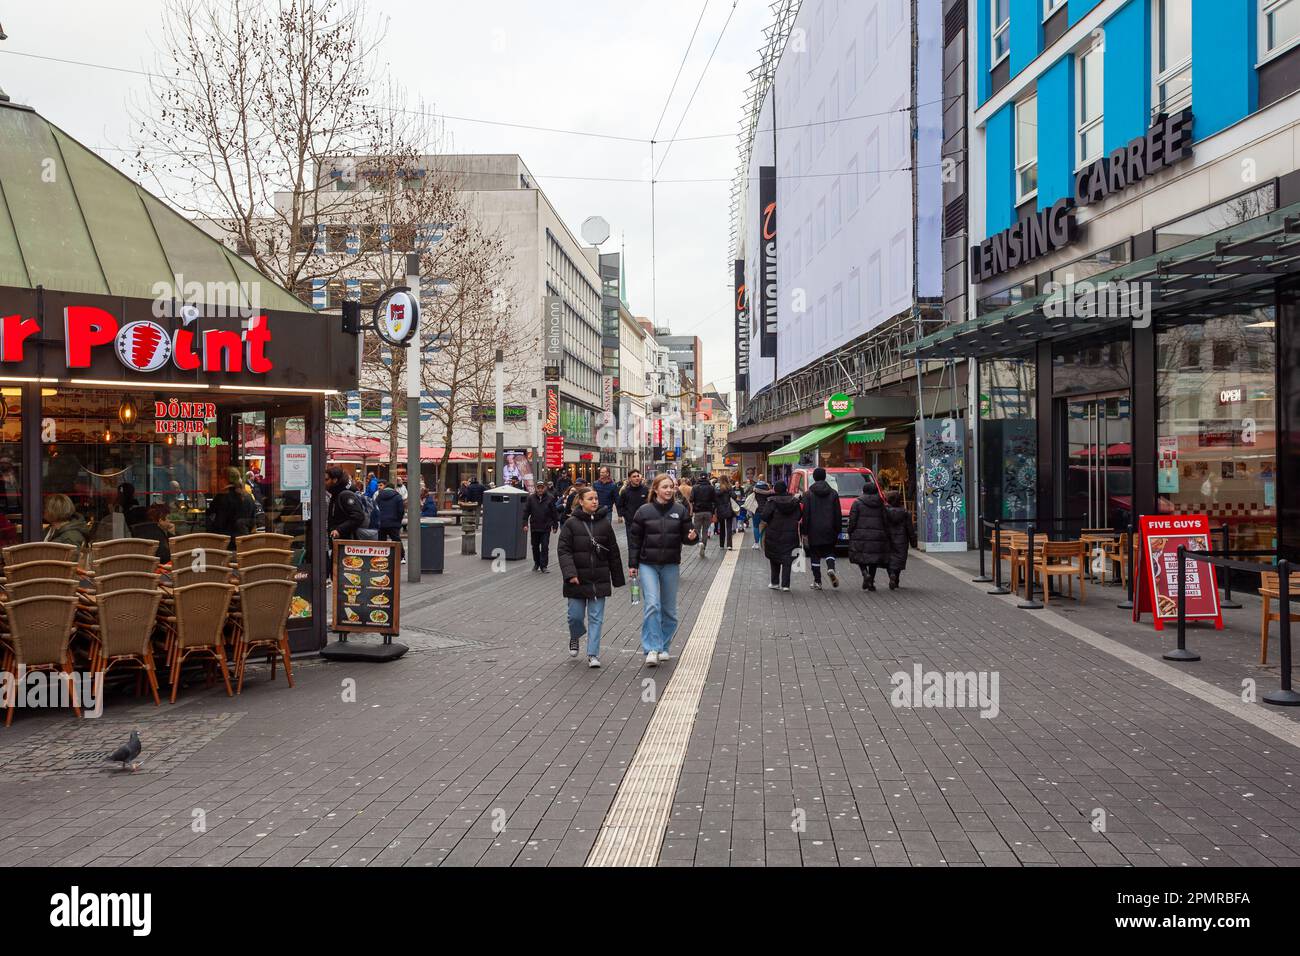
point(1227, 601)
point(1127, 603)
point(1029, 604)
point(1284, 696)
point(1181, 653)
point(984, 575)
point(997, 558)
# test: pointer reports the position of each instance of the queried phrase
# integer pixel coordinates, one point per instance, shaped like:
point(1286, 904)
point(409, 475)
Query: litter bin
point(503, 523)
point(433, 534)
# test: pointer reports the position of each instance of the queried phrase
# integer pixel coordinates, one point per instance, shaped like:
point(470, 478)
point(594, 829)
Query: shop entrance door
point(1097, 484)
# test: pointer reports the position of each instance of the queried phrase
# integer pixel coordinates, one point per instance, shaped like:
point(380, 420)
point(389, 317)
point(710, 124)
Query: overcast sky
point(591, 65)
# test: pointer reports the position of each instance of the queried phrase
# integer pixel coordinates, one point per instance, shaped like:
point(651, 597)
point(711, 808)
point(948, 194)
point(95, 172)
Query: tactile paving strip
point(634, 828)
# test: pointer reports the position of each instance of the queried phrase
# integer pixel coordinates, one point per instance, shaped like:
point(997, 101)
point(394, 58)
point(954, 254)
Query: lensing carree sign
point(1167, 142)
point(397, 317)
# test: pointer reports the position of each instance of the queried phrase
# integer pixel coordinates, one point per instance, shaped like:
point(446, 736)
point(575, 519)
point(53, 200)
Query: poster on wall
point(1157, 582)
point(295, 467)
point(941, 485)
point(742, 328)
point(517, 469)
point(1167, 464)
point(767, 256)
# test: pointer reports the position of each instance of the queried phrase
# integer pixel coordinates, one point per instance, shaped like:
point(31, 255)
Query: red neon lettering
point(256, 339)
point(222, 351)
point(183, 355)
point(85, 327)
point(16, 331)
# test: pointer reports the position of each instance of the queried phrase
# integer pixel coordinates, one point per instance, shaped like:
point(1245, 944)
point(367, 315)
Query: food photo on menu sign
point(367, 587)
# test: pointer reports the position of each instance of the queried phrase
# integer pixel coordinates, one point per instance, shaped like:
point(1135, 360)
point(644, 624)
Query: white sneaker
point(652, 659)
point(753, 547)
point(786, 589)
point(593, 661)
point(774, 587)
point(663, 656)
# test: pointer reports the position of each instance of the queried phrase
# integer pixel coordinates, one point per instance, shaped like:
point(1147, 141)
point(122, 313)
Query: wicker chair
point(122, 563)
point(41, 628)
point(196, 559)
point(200, 539)
point(255, 559)
point(213, 574)
point(262, 539)
point(38, 587)
point(40, 551)
point(127, 619)
point(17, 573)
point(120, 546)
point(126, 580)
point(202, 611)
point(265, 611)
point(267, 572)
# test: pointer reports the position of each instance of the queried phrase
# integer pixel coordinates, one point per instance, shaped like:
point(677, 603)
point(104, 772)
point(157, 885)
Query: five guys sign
point(143, 345)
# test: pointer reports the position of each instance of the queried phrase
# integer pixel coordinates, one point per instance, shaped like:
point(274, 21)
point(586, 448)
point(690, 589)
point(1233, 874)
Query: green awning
point(865, 436)
point(788, 454)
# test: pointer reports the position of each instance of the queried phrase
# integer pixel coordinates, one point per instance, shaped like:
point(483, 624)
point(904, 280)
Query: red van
point(845, 482)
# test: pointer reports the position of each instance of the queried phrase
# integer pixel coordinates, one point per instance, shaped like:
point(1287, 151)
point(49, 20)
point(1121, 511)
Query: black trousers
point(816, 558)
point(726, 528)
point(392, 534)
point(868, 571)
point(781, 569)
point(541, 548)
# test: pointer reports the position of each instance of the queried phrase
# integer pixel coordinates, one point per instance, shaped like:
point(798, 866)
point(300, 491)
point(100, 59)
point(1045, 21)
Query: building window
point(871, 44)
point(1279, 26)
point(1172, 36)
point(1051, 6)
point(1000, 20)
point(1026, 149)
point(1088, 106)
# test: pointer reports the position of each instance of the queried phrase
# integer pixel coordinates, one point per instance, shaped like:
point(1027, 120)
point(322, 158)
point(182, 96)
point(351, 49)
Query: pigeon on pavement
point(127, 752)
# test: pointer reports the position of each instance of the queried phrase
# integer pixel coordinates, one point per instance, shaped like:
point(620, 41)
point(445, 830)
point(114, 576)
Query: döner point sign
point(1167, 142)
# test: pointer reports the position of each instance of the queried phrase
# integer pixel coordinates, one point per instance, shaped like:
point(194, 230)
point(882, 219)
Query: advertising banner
point(767, 299)
point(554, 451)
point(1157, 583)
point(551, 414)
point(366, 576)
point(742, 328)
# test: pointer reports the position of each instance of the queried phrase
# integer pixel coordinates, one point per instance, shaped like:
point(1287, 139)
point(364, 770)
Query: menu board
point(365, 586)
point(1157, 582)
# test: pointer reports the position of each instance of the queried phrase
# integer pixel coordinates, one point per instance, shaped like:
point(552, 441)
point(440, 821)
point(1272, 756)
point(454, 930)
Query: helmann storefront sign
point(767, 300)
point(742, 328)
point(553, 316)
point(1166, 143)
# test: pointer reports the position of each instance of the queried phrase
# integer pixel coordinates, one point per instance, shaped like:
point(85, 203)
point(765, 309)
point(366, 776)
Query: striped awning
point(789, 453)
point(865, 436)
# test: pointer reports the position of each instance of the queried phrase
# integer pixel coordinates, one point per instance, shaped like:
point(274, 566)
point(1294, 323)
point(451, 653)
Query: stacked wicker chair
point(40, 606)
point(266, 585)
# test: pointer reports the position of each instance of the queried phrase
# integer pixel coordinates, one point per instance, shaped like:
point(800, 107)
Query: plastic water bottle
point(636, 593)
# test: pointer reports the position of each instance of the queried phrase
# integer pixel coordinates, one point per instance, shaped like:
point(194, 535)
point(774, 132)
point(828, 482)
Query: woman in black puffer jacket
point(654, 555)
point(780, 534)
point(868, 536)
point(902, 534)
point(592, 566)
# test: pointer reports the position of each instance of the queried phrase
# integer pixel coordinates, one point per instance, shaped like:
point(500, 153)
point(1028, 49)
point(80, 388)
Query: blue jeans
point(758, 531)
point(659, 591)
point(593, 610)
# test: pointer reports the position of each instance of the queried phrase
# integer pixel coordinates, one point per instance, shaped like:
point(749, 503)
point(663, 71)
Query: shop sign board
point(177, 418)
point(554, 451)
point(397, 317)
point(366, 586)
point(1157, 583)
point(551, 420)
point(839, 406)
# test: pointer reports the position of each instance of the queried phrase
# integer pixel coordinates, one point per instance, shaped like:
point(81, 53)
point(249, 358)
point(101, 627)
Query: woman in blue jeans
point(592, 567)
point(654, 555)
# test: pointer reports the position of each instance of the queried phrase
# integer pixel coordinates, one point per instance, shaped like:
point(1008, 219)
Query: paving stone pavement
point(488, 745)
point(799, 758)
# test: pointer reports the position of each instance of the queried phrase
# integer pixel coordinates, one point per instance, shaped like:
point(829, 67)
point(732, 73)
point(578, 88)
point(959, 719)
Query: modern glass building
point(1132, 260)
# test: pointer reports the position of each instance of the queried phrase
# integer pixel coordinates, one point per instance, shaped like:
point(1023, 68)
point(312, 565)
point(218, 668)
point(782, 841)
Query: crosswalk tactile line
point(634, 828)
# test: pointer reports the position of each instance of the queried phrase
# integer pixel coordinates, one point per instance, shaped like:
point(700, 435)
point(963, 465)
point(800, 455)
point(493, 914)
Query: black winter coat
point(780, 526)
point(703, 497)
point(656, 534)
point(898, 523)
point(725, 504)
point(868, 538)
point(631, 498)
point(821, 515)
point(588, 551)
point(346, 512)
point(392, 508)
point(540, 513)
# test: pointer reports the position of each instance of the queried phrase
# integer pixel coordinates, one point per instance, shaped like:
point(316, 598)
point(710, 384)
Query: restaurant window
point(1216, 427)
point(1008, 438)
point(11, 465)
point(1172, 38)
point(1026, 149)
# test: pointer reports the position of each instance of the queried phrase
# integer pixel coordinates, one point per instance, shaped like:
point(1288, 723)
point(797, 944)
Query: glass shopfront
point(1216, 428)
point(1008, 438)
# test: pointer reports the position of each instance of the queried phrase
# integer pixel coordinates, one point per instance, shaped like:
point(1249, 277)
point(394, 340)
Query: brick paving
point(487, 745)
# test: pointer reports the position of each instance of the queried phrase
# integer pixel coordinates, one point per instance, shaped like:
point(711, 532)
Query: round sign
point(397, 317)
point(839, 405)
point(144, 346)
point(595, 230)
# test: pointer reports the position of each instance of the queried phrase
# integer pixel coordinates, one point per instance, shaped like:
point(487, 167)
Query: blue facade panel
point(982, 52)
point(1056, 132)
point(1001, 171)
point(1126, 96)
point(1225, 87)
point(1079, 9)
point(1026, 33)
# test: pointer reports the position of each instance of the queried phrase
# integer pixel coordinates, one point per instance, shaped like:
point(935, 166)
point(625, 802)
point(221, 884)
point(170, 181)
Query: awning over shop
point(865, 436)
point(789, 454)
point(1227, 271)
